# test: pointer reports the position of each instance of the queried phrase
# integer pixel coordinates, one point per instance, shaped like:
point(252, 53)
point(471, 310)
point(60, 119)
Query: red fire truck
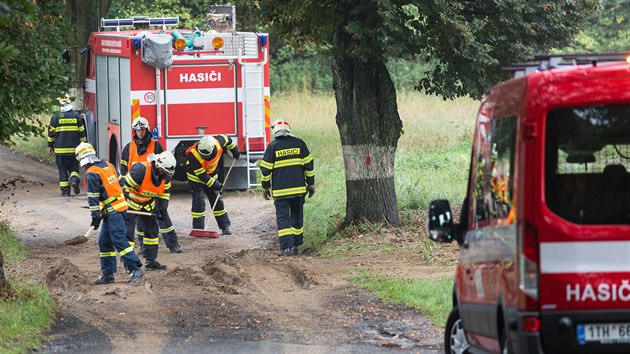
point(187, 83)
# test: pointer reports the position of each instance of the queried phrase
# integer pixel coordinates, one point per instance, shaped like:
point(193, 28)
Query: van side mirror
point(441, 228)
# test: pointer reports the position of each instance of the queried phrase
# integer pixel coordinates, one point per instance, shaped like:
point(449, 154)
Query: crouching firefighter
point(107, 205)
point(147, 183)
point(141, 146)
point(288, 169)
point(202, 162)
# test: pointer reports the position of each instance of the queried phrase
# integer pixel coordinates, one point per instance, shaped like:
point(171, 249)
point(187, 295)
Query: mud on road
point(231, 294)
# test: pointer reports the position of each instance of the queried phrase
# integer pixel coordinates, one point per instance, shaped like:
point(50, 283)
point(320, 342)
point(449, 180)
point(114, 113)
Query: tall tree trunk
point(85, 16)
point(369, 127)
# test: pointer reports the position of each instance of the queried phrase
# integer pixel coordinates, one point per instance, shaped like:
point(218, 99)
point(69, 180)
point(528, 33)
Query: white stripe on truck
point(584, 257)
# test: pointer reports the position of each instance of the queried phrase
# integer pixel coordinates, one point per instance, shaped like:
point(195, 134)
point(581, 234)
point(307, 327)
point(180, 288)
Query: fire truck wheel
point(455, 341)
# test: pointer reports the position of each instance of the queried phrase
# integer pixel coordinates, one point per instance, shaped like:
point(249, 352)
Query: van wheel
point(455, 341)
point(505, 343)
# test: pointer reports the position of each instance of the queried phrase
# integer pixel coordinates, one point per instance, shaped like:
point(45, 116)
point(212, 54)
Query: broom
point(212, 234)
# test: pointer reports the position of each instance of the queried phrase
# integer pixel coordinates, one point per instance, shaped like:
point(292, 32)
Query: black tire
point(455, 341)
point(505, 344)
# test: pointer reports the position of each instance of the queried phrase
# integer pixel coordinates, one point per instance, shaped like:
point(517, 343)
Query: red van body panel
point(579, 265)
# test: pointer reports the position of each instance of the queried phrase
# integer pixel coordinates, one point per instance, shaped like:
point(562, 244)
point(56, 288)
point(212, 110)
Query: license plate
point(604, 333)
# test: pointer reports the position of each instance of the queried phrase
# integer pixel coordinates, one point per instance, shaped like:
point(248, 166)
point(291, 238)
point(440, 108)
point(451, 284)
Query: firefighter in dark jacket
point(107, 205)
point(287, 168)
point(202, 169)
point(65, 131)
point(147, 182)
point(140, 147)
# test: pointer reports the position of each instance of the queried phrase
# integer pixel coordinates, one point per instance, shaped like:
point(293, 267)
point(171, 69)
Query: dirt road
point(231, 294)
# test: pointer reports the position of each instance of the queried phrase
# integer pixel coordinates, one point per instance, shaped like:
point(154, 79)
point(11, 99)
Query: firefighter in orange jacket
point(146, 183)
point(65, 132)
point(140, 147)
point(288, 169)
point(107, 204)
point(202, 162)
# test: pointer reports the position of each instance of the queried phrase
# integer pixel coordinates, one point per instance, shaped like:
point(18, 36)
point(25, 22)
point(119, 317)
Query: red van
point(544, 232)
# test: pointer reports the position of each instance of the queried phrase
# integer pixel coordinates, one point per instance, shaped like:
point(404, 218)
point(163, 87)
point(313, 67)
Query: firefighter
point(107, 205)
point(202, 161)
point(147, 182)
point(65, 131)
point(141, 146)
point(287, 168)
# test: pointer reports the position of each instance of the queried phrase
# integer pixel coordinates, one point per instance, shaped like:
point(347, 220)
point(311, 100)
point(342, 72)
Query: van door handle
point(465, 244)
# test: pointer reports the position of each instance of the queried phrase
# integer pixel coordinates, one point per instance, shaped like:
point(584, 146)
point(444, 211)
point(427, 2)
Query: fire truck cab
point(544, 233)
point(188, 83)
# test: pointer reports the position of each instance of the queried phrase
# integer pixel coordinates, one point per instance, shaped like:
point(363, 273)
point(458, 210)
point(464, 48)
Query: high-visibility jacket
point(65, 132)
point(134, 152)
point(204, 170)
point(105, 195)
point(287, 167)
point(145, 186)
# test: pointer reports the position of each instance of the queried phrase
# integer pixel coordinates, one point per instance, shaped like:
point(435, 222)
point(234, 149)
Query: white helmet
point(65, 103)
point(139, 123)
point(206, 145)
point(85, 154)
point(166, 161)
point(280, 127)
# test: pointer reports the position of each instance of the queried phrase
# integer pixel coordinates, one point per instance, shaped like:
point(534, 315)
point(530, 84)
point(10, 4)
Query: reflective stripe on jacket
point(287, 167)
point(65, 132)
point(143, 194)
point(105, 196)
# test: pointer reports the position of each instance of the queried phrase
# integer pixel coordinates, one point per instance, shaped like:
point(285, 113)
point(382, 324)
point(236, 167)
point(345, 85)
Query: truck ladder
point(254, 111)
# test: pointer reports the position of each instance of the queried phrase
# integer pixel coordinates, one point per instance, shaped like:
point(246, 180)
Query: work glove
point(310, 190)
point(236, 154)
point(96, 222)
point(266, 194)
point(157, 213)
point(217, 186)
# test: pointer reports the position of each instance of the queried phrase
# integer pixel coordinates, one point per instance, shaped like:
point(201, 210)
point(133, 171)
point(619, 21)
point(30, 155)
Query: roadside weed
point(432, 297)
point(27, 311)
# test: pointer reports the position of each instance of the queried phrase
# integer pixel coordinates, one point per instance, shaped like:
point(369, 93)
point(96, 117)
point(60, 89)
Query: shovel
point(84, 238)
point(212, 234)
point(79, 239)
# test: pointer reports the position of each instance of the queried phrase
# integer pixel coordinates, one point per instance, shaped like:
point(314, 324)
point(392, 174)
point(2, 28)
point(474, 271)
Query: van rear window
point(587, 159)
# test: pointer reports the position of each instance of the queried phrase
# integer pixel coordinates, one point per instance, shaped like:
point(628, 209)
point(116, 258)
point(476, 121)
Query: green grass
point(34, 145)
point(432, 297)
point(29, 311)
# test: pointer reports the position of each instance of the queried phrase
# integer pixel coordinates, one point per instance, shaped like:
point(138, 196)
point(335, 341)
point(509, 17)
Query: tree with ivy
point(468, 40)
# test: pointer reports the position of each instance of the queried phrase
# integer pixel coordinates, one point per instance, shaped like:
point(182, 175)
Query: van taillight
point(530, 324)
point(529, 256)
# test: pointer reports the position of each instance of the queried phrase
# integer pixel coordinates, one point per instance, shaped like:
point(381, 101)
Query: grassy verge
point(432, 297)
point(431, 163)
point(27, 313)
point(34, 146)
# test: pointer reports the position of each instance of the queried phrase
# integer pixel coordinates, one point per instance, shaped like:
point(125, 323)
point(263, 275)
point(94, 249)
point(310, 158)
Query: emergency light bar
point(139, 22)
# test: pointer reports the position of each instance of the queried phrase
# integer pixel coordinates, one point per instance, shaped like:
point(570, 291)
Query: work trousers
point(166, 229)
point(112, 239)
point(290, 221)
point(149, 244)
point(200, 192)
point(68, 167)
